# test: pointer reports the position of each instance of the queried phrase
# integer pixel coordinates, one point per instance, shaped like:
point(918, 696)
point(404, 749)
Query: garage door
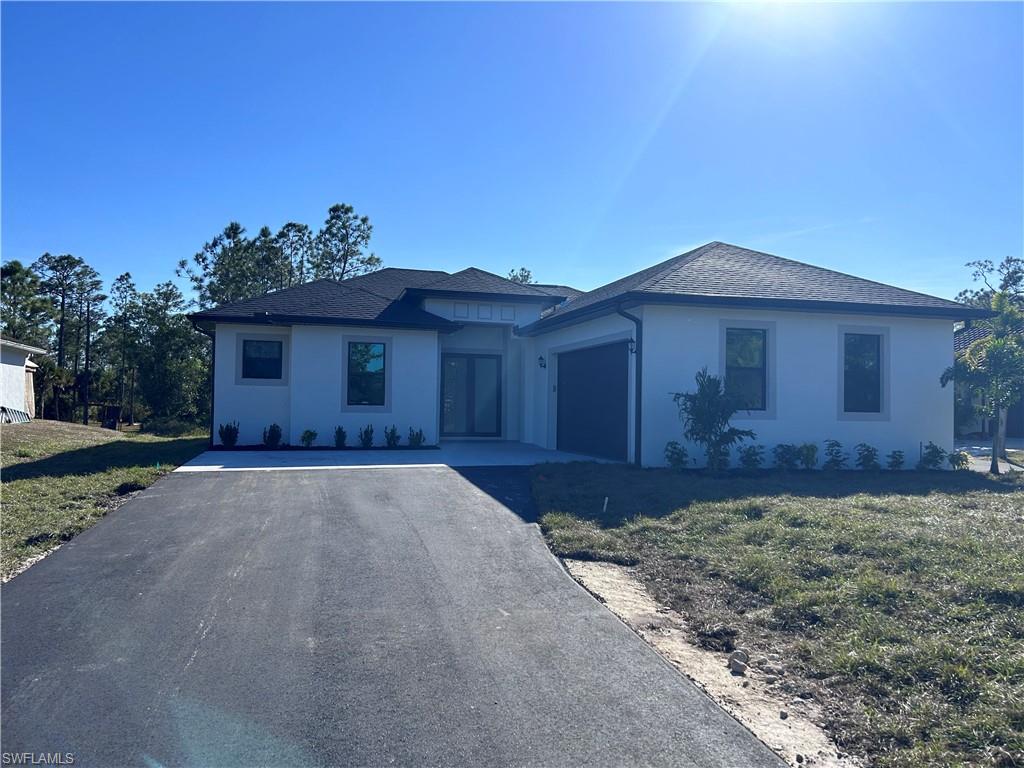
point(593, 401)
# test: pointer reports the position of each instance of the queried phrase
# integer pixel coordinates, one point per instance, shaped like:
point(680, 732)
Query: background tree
point(521, 275)
point(993, 368)
point(90, 298)
point(122, 330)
point(222, 271)
point(296, 243)
point(58, 281)
point(340, 246)
point(1007, 278)
point(26, 310)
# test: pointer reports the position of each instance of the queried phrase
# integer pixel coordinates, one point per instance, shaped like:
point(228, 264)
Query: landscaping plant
point(834, 456)
point(228, 434)
point(272, 436)
point(391, 436)
point(867, 457)
point(808, 455)
point(308, 438)
point(705, 415)
point(366, 436)
point(932, 457)
point(894, 460)
point(959, 459)
point(751, 456)
point(416, 438)
point(786, 456)
point(676, 456)
point(340, 436)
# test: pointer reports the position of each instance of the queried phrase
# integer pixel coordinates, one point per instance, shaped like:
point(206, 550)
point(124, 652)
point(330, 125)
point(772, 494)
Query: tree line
point(121, 354)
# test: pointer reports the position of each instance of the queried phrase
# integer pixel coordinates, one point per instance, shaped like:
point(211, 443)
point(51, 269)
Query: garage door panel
point(593, 395)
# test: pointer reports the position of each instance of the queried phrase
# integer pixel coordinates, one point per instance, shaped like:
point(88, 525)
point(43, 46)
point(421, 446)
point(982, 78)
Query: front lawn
point(895, 599)
point(58, 479)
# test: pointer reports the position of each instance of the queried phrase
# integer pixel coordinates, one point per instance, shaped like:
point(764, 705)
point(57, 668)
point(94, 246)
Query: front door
point(470, 395)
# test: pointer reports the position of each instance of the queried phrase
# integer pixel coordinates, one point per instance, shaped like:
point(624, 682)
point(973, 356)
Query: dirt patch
point(788, 725)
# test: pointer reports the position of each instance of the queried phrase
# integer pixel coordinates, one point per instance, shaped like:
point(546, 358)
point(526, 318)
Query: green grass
point(895, 599)
point(59, 478)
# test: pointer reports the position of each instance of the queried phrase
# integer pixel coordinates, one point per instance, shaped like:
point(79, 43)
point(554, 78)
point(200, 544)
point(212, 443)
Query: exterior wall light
point(542, 362)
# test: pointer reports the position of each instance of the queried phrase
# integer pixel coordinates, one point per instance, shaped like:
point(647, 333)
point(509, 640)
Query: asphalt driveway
point(359, 617)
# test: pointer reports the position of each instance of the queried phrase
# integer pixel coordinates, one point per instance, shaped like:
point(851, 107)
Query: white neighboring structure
point(17, 395)
point(815, 354)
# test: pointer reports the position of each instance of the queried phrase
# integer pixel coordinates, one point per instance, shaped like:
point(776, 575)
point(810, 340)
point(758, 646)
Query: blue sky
point(582, 141)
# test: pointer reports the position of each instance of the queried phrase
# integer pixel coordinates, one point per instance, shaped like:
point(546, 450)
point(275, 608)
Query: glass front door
point(470, 395)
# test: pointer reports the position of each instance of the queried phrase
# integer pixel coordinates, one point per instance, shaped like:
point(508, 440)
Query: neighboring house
point(963, 337)
point(17, 393)
point(815, 354)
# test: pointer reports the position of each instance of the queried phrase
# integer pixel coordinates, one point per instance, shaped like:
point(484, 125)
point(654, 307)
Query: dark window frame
point(382, 373)
point(763, 368)
point(248, 362)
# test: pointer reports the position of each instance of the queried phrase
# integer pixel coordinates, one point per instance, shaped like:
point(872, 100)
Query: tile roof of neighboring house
point(719, 273)
point(477, 281)
point(964, 337)
point(329, 302)
point(7, 341)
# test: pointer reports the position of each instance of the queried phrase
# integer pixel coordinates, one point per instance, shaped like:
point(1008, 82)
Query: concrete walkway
point(452, 453)
point(981, 453)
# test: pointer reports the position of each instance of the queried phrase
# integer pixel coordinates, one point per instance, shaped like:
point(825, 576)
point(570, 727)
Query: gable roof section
point(473, 283)
point(723, 274)
point(325, 302)
point(7, 341)
point(562, 291)
point(390, 282)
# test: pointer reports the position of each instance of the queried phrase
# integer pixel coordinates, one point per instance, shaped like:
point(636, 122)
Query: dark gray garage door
point(593, 401)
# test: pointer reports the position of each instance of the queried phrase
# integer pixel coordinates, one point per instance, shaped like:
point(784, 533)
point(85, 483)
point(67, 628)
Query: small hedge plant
point(416, 438)
point(808, 455)
point(308, 438)
point(676, 456)
point(835, 459)
point(959, 459)
point(391, 436)
point(751, 456)
point(228, 434)
point(366, 436)
point(931, 457)
point(867, 457)
point(894, 461)
point(272, 436)
point(340, 436)
point(787, 456)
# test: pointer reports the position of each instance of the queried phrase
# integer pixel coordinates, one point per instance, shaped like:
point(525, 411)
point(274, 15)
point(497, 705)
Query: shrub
point(808, 455)
point(676, 456)
point(308, 438)
point(416, 438)
point(932, 457)
point(391, 436)
point(272, 436)
point(894, 460)
point(959, 459)
point(751, 456)
point(366, 436)
point(706, 414)
point(786, 456)
point(340, 436)
point(867, 457)
point(169, 427)
point(228, 434)
point(834, 456)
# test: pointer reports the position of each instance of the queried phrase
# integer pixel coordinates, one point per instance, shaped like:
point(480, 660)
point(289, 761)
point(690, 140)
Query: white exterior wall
point(678, 341)
point(12, 378)
point(312, 393)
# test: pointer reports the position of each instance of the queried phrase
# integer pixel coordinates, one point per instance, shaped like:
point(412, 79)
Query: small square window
point(366, 372)
point(261, 359)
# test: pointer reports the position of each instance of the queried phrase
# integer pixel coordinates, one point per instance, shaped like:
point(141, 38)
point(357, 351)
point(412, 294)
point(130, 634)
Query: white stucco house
point(814, 354)
point(17, 393)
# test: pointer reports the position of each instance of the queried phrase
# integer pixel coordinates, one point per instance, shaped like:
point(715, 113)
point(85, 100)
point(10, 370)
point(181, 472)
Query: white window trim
point(240, 340)
point(389, 373)
point(885, 413)
point(768, 326)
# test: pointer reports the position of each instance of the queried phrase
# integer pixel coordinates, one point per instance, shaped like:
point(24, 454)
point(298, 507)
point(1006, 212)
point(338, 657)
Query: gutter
point(638, 387)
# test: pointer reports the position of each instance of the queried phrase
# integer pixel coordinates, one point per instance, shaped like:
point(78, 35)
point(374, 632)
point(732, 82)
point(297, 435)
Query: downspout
point(213, 373)
point(638, 386)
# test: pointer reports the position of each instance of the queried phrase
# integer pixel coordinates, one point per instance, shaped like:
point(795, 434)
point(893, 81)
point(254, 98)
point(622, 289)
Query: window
point(261, 359)
point(366, 384)
point(862, 373)
point(746, 369)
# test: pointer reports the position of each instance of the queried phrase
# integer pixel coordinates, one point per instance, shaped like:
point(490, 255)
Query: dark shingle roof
point(325, 301)
point(719, 273)
point(964, 337)
point(565, 291)
point(391, 281)
point(477, 281)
